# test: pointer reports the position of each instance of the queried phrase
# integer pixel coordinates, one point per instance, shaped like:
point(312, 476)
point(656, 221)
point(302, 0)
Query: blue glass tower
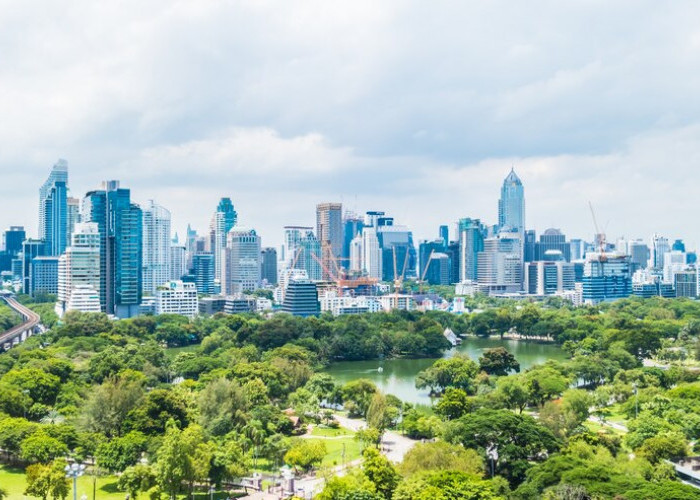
point(53, 209)
point(511, 206)
point(120, 226)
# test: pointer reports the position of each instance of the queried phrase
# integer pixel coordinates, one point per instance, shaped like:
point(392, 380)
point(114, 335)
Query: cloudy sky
point(416, 108)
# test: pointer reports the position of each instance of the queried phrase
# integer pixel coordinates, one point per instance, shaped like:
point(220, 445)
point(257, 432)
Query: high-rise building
point(577, 249)
point(309, 258)
point(352, 227)
point(444, 233)
point(678, 246)
point(44, 275)
point(529, 246)
point(177, 297)
point(371, 253)
point(660, 248)
point(606, 278)
point(79, 272)
point(203, 271)
point(552, 239)
point(511, 205)
point(120, 224)
point(549, 276)
point(399, 258)
point(301, 298)
point(268, 265)
point(639, 255)
point(426, 252)
point(13, 239)
point(73, 205)
point(156, 247)
point(686, 283)
point(53, 209)
point(500, 267)
point(674, 261)
point(329, 231)
point(243, 262)
point(223, 220)
point(471, 241)
point(178, 261)
point(31, 248)
point(438, 269)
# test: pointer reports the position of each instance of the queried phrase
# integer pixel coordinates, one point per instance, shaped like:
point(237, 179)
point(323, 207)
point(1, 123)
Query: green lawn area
point(328, 432)
point(13, 481)
point(334, 451)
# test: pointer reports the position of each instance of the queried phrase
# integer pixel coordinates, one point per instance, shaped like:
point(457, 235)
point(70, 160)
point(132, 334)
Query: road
point(31, 320)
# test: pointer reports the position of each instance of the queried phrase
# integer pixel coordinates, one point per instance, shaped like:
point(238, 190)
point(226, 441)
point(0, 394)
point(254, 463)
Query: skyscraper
point(471, 241)
point(53, 209)
point(203, 270)
point(500, 267)
point(73, 217)
point(120, 225)
point(352, 226)
point(268, 265)
point(79, 272)
point(156, 247)
point(243, 262)
point(12, 240)
point(302, 250)
point(511, 206)
point(223, 220)
point(371, 253)
point(329, 231)
point(660, 248)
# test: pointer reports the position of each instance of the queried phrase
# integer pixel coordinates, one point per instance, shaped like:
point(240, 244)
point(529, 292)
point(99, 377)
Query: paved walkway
point(607, 423)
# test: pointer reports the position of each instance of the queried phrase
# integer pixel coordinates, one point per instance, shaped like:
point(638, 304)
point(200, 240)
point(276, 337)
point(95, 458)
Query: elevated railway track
point(31, 324)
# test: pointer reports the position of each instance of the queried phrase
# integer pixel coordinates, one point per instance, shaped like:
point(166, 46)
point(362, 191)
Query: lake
point(398, 375)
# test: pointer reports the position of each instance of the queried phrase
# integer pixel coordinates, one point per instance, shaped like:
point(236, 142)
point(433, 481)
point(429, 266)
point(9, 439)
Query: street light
point(492, 453)
point(636, 399)
point(74, 471)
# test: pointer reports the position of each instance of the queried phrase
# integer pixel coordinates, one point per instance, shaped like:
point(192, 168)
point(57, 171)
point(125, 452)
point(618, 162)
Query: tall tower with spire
point(511, 205)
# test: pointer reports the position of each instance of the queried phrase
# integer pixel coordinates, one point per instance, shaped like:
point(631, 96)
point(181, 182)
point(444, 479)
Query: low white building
point(177, 297)
point(337, 305)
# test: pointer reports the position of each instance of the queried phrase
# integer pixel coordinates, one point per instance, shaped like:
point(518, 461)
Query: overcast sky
point(416, 108)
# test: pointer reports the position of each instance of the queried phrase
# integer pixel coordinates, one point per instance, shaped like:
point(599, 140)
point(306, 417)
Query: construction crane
point(600, 237)
point(425, 271)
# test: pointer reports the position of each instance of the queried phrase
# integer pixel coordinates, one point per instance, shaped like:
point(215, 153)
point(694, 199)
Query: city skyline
point(356, 105)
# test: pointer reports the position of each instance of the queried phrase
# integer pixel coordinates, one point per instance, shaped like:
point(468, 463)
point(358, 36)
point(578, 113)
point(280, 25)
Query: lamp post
point(492, 453)
point(74, 471)
point(636, 399)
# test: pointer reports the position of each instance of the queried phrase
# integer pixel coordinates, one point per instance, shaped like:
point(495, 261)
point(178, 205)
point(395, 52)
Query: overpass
point(31, 324)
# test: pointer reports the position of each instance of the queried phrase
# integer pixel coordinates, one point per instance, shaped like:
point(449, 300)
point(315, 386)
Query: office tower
point(355, 263)
point(44, 274)
point(552, 239)
point(674, 261)
point(156, 247)
point(577, 251)
point(606, 278)
point(453, 251)
point(177, 297)
point(73, 217)
point(30, 249)
point(352, 226)
point(191, 245)
point(691, 257)
point(686, 283)
point(79, 272)
point(529, 246)
point(309, 258)
point(398, 252)
point(511, 205)
point(371, 253)
point(426, 249)
point(290, 247)
point(178, 261)
point(438, 269)
point(13, 239)
point(500, 267)
point(53, 209)
point(550, 275)
point(329, 231)
point(471, 241)
point(120, 224)
point(660, 247)
point(678, 246)
point(301, 298)
point(372, 218)
point(203, 270)
point(268, 265)
point(242, 262)
point(639, 255)
point(444, 233)
point(223, 220)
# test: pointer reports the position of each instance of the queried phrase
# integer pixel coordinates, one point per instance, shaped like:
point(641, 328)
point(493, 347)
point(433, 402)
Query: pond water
point(398, 376)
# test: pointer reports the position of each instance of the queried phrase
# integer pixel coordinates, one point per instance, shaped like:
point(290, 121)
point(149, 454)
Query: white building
point(337, 305)
point(356, 254)
point(156, 247)
point(178, 261)
point(371, 253)
point(674, 262)
point(177, 297)
point(401, 302)
point(242, 261)
point(500, 268)
point(79, 271)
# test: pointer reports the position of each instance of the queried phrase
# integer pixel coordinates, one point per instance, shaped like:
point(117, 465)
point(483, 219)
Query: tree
point(458, 372)
point(498, 361)
point(222, 404)
point(441, 455)
point(183, 457)
point(352, 486)
point(152, 415)
point(47, 481)
point(39, 447)
point(3, 493)
point(446, 485)
point(136, 479)
point(379, 471)
point(358, 395)
point(666, 446)
point(121, 452)
point(512, 392)
point(453, 404)
point(516, 439)
point(379, 415)
point(305, 454)
point(109, 403)
point(577, 403)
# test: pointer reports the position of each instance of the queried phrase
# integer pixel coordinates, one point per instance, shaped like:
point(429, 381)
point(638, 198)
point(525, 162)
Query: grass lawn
point(334, 451)
point(328, 432)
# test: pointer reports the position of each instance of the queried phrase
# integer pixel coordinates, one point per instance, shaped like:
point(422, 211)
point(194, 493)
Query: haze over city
point(416, 109)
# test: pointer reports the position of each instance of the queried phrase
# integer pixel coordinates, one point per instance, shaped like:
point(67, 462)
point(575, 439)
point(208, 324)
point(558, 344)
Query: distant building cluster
point(105, 253)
